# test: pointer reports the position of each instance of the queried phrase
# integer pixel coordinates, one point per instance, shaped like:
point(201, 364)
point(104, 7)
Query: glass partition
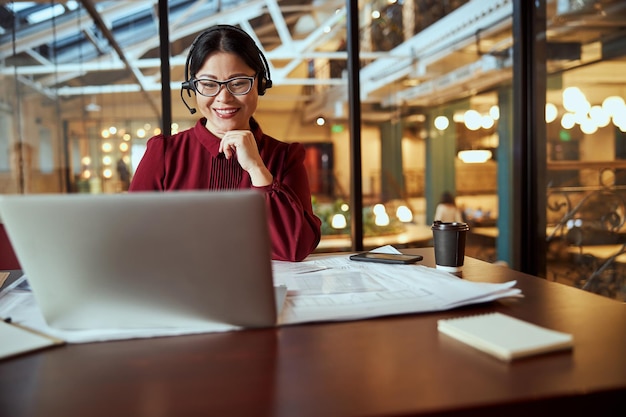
point(81, 93)
point(586, 121)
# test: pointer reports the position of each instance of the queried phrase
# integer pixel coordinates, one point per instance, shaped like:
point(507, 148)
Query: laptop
point(185, 259)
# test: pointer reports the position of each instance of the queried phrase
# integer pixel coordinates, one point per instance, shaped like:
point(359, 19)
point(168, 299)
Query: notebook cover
point(503, 336)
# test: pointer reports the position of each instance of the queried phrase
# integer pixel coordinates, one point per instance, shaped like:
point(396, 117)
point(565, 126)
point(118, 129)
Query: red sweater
point(189, 160)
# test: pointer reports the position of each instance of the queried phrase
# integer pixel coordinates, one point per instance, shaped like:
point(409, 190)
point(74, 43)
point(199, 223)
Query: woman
point(227, 149)
point(446, 210)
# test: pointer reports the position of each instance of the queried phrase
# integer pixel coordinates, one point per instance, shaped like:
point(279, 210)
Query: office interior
point(517, 108)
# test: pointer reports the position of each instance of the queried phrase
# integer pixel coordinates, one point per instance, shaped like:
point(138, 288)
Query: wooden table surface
point(394, 366)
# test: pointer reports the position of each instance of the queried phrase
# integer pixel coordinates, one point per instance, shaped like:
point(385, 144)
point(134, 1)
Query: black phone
point(386, 258)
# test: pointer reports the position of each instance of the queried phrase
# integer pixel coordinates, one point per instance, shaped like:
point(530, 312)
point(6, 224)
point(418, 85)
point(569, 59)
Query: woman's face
point(225, 111)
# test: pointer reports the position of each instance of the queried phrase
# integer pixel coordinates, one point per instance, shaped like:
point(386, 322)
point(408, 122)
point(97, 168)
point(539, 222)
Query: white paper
point(402, 289)
point(22, 308)
point(16, 340)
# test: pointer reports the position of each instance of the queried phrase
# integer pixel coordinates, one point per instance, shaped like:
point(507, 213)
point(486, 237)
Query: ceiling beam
point(135, 72)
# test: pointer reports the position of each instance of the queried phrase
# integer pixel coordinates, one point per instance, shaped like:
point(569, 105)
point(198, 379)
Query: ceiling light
point(486, 122)
point(551, 112)
point(381, 219)
point(574, 100)
point(441, 122)
point(588, 126)
point(458, 117)
point(379, 209)
point(613, 105)
point(339, 221)
point(601, 117)
point(475, 156)
point(92, 107)
point(620, 121)
point(568, 120)
point(494, 112)
point(404, 214)
point(472, 119)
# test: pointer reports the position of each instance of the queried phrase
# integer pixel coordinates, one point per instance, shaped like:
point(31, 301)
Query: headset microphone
point(186, 86)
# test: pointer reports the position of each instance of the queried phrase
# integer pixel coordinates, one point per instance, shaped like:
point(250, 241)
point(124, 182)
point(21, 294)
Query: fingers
point(237, 141)
point(227, 149)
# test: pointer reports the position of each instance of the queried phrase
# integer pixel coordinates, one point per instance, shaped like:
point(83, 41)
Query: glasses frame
point(221, 84)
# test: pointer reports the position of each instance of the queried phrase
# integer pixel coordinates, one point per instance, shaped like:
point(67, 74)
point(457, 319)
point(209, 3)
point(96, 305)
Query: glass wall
point(586, 121)
point(82, 93)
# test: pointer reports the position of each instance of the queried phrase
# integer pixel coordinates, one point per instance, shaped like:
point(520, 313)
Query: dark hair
point(226, 38)
point(447, 198)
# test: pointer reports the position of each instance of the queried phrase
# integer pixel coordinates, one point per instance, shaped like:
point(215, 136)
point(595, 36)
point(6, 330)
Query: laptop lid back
point(142, 260)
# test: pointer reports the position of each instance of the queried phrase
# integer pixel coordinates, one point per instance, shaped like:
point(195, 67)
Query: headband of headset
point(265, 81)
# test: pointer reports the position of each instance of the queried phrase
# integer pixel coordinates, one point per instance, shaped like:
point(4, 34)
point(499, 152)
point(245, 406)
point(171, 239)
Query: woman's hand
point(241, 143)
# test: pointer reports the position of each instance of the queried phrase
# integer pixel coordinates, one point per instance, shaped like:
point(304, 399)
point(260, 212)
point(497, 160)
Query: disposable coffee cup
point(449, 239)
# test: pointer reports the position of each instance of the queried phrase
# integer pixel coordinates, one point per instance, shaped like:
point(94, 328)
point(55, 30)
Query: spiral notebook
point(505, 337)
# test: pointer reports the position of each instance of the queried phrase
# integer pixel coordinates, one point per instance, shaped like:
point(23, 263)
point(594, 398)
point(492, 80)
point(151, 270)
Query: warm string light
point(117, 139)
point(579, 111)
point(442, 122)
point(339, 221)
point(404, 214)
point(381, 218)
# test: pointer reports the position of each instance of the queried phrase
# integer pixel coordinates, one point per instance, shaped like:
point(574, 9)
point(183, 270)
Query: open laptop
point(145, 260)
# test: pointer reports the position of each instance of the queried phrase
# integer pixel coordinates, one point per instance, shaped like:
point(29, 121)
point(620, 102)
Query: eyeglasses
point(237, 86)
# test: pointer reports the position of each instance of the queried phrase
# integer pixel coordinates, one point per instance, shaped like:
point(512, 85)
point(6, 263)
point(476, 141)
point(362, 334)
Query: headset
point(265, 80)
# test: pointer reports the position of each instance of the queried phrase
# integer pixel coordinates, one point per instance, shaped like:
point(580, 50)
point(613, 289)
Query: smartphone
point(386, 258)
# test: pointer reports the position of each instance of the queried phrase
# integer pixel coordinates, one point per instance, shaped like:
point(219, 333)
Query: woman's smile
point(226, 113)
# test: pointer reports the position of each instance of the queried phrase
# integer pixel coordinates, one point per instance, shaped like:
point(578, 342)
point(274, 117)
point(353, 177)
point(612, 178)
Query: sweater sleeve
point(294, 229)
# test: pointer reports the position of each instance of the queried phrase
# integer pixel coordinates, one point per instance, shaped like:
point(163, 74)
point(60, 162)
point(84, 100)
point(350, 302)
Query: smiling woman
point(227, 149)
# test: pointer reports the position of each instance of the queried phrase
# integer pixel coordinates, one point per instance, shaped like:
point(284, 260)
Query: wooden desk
point(396, 366)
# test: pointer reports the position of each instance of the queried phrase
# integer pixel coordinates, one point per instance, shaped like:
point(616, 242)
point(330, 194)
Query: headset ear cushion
point(264, 84)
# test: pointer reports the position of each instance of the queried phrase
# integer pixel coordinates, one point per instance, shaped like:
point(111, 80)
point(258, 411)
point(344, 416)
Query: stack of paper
point(336, 288)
